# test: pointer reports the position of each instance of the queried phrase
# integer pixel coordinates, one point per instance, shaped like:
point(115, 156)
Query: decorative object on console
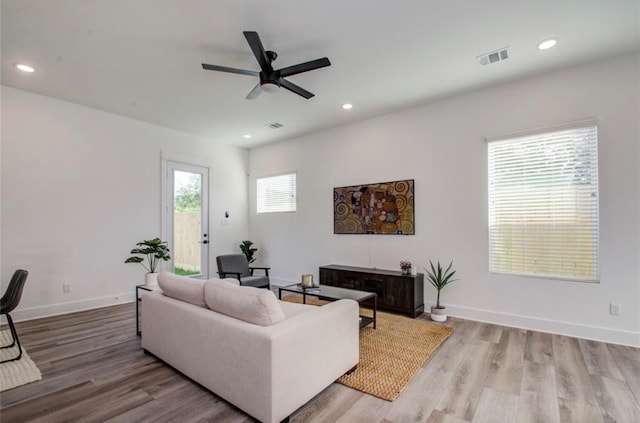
point(385, 208)
point(154, 250)
point(439, 279)
point(248, 251)
point(405, 266)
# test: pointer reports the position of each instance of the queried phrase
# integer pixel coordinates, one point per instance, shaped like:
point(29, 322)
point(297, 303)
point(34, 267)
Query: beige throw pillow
point(182, 288)
point(253, 305)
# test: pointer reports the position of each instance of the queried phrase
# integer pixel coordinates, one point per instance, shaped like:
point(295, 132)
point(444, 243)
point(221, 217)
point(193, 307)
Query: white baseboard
point(22, 314)
point(595, 333)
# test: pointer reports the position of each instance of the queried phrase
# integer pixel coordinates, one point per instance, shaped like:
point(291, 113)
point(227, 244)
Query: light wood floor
point(94, 370)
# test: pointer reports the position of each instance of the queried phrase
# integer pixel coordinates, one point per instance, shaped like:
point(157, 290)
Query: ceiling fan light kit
point(270, 87)
point(270, 79)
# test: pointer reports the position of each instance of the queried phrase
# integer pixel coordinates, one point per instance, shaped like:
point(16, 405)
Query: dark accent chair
point(237, 266)
point(8, 303)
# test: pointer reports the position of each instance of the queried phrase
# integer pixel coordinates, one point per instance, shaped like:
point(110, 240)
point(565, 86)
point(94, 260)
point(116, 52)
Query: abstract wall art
point(385, 208)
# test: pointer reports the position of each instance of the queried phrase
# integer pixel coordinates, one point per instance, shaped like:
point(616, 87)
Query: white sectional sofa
point(265, 356)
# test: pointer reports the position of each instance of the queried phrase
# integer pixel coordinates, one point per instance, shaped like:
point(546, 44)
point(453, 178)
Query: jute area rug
point(391, 354)
point(19, 372)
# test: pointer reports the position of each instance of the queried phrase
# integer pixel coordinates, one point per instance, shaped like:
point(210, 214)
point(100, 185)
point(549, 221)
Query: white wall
point(1, 284)
point(80, 187)
point(441, 145)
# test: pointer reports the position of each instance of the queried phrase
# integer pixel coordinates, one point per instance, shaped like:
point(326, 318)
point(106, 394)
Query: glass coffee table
point(333, 293)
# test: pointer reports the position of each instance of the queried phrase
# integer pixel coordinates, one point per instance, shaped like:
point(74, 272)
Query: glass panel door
point(188, 233)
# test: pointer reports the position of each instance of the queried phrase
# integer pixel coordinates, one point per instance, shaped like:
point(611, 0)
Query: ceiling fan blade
point(258, 50)
point(295, 89)
point(229, 70)
point(254, 93)
point(304, 67)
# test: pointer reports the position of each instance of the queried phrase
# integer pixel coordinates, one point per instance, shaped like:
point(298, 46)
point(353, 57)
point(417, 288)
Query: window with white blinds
point(543, 204)
point(276, 194)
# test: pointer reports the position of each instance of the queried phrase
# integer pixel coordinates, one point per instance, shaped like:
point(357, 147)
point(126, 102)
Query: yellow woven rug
point(391, 354)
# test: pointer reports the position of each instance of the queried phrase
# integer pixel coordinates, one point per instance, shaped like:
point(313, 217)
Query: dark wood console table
point(396, 292)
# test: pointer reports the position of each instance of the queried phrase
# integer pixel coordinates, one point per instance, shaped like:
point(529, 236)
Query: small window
point(543, 204)
point(276, 194)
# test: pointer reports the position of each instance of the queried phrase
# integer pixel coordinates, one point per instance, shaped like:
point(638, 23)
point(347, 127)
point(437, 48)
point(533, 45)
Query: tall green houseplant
point(439, 278)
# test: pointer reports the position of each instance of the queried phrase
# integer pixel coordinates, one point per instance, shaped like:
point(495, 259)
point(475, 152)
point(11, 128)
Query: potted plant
point(248, 251)
point(439, 279)
point(405, 267)
point(153, 250)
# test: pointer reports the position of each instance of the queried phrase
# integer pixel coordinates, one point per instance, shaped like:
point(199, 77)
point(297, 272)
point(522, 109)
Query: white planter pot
point(438, 314)
point(151, 279)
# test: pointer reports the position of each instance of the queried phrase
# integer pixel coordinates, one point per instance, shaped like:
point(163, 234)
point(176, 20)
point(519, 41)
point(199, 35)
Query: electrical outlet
point(614, 309)
point(66, 288)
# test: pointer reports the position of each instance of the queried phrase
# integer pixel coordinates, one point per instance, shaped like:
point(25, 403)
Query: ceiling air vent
point(494, 56)
point(274, 125)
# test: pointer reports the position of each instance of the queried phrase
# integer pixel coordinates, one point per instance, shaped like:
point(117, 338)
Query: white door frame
point(195, 166)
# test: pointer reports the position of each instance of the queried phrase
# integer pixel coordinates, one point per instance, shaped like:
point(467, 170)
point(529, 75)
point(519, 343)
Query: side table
point(139, 300)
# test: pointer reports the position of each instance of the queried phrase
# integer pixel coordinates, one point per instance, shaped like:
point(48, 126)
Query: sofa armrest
point(310, 351)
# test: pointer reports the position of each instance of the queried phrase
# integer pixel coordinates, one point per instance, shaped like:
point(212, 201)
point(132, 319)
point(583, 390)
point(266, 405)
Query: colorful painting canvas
point(385, 208)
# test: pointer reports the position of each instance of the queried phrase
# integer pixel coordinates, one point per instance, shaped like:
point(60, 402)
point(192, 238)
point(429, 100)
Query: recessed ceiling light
point(547, 44)
point(347, 106)
point(246, 136)
point(23, 67)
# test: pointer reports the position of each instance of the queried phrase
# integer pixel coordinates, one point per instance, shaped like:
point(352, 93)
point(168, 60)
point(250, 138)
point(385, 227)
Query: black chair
point(237, 266)
point(9, 302)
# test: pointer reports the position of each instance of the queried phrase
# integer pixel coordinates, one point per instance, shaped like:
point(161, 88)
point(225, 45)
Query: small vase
point(406, 271)
point(151, 279)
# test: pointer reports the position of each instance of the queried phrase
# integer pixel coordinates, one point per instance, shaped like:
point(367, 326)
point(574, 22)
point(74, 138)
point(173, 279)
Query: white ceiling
point(141, 58)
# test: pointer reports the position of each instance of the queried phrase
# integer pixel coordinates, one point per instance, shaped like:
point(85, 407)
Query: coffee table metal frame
point(333, 293)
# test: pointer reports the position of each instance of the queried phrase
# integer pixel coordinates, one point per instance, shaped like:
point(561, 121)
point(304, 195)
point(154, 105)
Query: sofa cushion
point(182, 288)
point(252, 305)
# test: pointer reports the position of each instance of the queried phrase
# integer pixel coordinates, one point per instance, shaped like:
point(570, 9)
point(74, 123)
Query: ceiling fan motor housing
point(270, 82)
